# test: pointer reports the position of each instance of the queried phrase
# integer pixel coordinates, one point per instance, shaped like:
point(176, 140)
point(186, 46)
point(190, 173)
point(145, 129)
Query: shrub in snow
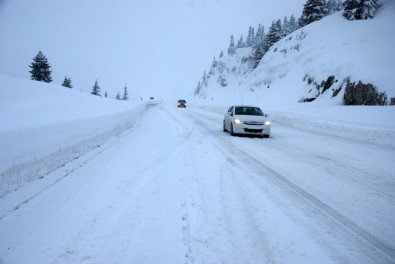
point(363, 94)
point(67, 82)
point(40, 69)
point(309, 79)
point(307, 100)
point(224, 83)
point(359, 9)
point(328, 83)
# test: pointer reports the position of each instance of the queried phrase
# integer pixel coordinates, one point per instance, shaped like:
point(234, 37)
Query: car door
point(228, 117)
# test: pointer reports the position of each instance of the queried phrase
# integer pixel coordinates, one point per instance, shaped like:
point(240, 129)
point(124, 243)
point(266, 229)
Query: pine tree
point(40, 69)
point(118, 97)
point(197, 89)
point(96, 89)
point(105, 95)
point(213, 65)
point(67, 82)
point(359, 9)
point(231, 49)
point(204, 79)
point(250, 37)
point(293, 25)
point(221, 54)
point(125, 93)
point(260, 47)
point(274, 33)
point(240, 43)
point(313, 10)
point(286, 27)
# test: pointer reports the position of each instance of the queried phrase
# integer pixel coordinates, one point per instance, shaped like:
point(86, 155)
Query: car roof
point(246, 106)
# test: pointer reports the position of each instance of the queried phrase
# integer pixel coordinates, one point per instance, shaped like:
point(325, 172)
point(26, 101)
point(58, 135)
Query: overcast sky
point(156, 47)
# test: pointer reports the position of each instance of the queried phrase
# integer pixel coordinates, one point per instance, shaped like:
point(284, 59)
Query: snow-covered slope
point(360, 50)
point(43, 126)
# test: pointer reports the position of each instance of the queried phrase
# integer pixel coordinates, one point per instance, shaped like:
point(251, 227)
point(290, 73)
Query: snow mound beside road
point(44, 126)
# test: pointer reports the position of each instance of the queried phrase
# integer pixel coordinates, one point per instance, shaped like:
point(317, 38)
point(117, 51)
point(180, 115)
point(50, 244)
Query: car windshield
point(248, 110)
point(181, 101)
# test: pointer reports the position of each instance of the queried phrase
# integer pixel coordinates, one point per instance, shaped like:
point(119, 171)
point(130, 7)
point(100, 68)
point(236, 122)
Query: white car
point(247, 120)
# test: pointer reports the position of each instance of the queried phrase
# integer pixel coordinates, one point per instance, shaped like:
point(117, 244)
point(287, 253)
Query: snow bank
point(44, 126)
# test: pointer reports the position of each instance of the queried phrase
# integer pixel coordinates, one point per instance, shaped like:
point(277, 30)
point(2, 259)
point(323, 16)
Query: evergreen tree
point(240, 43)
point(67, 82)
point(293, 25)
point(260, 47)
point(105, 95)
point(313, 10)
point(221, 54)
point(274, 33)
point(250, 37)
point(40, 69)
point(231, 49)
point(204, 79)
point(96, 89)
point(125, 93)
point(286, 27)
point(118, 97)
point(213, 65)
point(198, 87)
point(359, 9)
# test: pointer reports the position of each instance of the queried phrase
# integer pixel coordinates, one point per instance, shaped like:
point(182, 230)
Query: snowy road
point(176, 189)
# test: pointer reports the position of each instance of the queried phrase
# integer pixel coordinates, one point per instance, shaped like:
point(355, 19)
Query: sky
point(156, 48)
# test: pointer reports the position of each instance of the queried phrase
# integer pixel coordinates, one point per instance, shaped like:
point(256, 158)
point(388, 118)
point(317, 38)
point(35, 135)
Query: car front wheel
point(224, 129)
point(231, 130)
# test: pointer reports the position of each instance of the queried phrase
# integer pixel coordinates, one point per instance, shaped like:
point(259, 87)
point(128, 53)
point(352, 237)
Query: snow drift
point(45, 126)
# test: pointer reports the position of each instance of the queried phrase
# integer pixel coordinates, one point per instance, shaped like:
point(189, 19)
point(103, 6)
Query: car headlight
point(268, 123)
point(238, 121)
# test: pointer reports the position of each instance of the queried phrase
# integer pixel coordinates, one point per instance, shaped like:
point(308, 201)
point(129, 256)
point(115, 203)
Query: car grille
point(249, 130)
point(253, 123)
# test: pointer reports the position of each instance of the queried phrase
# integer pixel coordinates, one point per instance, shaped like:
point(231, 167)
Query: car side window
point(230, 110)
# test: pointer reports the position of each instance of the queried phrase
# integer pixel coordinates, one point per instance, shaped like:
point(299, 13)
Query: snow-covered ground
point(171, 187)
point(44, 126)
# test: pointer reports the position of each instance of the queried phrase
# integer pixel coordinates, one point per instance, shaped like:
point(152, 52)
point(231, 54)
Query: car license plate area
point(251, 130)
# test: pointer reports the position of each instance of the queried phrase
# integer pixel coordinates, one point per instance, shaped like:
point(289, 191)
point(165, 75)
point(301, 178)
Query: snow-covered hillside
point(360, 50)
point(44, 126)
